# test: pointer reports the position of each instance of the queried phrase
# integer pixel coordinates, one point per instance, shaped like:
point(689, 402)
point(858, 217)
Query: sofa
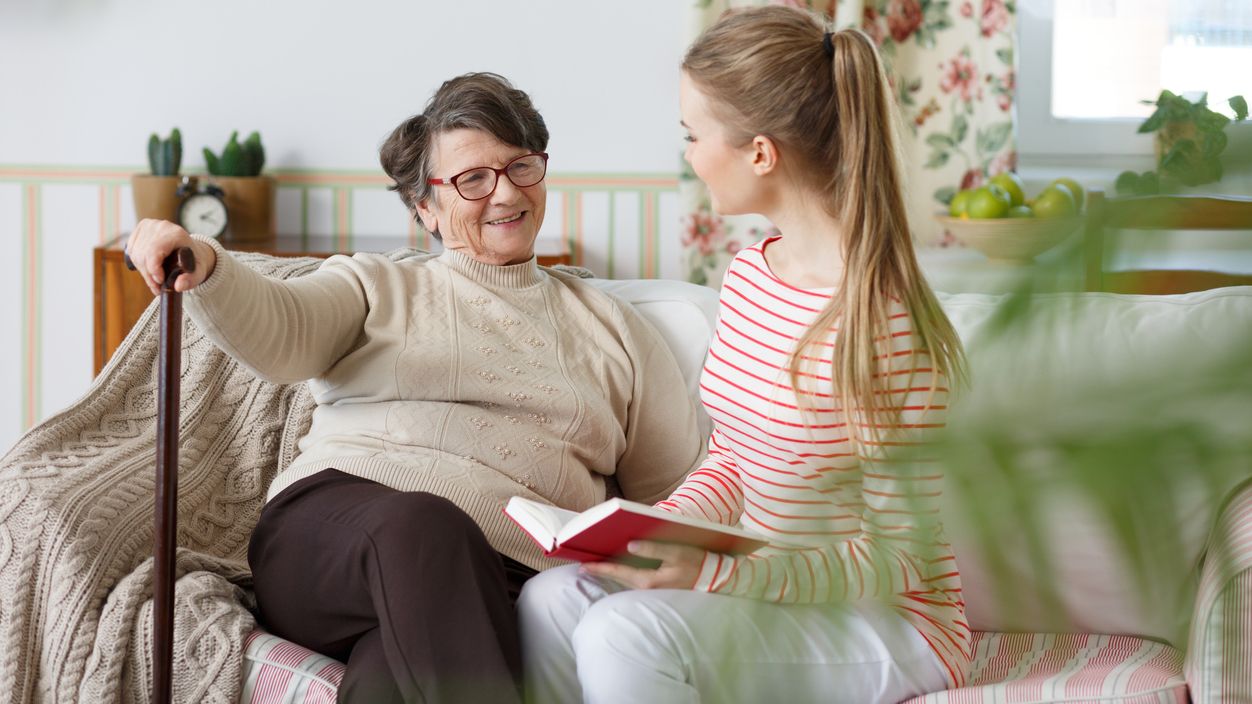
point(75, 519)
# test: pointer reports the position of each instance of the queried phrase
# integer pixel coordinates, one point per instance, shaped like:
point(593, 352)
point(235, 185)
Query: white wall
point(324, 82)
point(84, 82)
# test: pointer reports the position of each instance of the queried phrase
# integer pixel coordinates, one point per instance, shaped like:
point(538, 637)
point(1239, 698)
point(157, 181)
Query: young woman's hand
point(679, 569)
point(153, 240)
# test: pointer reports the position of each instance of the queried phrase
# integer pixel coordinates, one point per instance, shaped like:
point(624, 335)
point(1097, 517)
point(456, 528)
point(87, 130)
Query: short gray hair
point(479, 101)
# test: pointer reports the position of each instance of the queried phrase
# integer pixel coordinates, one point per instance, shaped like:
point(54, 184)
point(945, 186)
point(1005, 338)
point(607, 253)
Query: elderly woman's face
point(499, 229)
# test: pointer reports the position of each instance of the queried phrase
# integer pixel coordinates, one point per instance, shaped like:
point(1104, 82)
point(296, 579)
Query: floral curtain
point(951, 66)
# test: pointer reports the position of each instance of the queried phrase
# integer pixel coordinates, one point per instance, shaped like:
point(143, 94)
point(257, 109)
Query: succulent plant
point(237, 159)
point(165, 156)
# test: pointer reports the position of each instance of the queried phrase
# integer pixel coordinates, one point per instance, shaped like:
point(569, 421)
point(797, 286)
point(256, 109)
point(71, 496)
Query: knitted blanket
point(76, 523)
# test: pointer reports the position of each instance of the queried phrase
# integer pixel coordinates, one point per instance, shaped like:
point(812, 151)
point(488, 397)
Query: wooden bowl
point(1015, 241)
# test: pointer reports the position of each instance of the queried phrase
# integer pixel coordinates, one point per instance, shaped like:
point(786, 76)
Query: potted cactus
point(249, 195)
point(156, 193)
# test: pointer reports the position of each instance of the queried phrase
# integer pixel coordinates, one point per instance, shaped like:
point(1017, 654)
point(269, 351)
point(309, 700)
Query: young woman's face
point(499, 229)
point(734, 188)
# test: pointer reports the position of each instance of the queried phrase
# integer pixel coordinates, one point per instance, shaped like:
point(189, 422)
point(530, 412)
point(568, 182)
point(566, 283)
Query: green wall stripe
point(304, 218)
point(656, 236)
point(349, 227)
point(612, 231)
point(334, 211)
point(643, 248)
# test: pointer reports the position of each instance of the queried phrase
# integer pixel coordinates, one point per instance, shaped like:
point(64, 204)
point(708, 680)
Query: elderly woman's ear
point(430, 221)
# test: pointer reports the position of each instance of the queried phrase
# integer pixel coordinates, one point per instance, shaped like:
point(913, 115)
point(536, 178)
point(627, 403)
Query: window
point(1085, 65)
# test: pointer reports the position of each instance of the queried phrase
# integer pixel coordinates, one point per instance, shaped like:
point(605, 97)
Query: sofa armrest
point(1219, 652)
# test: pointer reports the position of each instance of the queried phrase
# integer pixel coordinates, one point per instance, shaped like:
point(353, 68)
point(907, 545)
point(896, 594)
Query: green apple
point(960, 202)
point(1056, 201)
point(989, 202)
point(1021, 211)
point(1074, 190)
point(1012, 183)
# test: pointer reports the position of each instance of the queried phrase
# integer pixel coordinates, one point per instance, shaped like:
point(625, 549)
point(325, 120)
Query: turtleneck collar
point(511, 276)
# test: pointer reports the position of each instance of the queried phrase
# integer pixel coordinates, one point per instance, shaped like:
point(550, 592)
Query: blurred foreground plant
point(1147, 445)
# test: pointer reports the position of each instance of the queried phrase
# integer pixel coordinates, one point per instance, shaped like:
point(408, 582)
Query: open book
point(601, 532)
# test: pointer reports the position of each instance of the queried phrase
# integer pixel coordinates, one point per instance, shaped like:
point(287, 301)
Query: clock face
point(203, 214)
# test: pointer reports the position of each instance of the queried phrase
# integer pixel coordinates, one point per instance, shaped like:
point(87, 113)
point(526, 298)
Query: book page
point(541, 521)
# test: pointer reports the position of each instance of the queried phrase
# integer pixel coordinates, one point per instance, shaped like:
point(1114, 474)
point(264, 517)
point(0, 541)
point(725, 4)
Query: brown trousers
point(402, 586)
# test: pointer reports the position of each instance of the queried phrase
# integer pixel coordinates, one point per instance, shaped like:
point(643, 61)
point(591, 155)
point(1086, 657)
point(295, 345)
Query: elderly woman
point(445, 384)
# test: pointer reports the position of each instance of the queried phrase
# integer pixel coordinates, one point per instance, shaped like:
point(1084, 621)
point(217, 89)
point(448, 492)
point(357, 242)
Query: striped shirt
point(844, 524)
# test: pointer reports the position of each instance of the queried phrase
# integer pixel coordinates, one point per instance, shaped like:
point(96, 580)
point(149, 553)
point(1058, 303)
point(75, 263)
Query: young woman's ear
point(764, 154)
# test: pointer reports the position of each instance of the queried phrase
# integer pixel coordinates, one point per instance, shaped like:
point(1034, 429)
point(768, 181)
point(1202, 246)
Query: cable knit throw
point(76, 523)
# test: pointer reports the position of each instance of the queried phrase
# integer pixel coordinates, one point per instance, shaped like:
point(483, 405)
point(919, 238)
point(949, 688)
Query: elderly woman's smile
point(493, 225)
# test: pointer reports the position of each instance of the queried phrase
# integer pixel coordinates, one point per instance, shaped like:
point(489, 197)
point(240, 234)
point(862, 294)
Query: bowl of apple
point(1000, 222)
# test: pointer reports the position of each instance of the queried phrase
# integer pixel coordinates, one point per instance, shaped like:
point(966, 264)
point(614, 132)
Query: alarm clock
point(204, 212)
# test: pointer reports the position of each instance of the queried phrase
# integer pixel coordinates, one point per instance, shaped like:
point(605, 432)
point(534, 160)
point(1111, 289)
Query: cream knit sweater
point(471, 381)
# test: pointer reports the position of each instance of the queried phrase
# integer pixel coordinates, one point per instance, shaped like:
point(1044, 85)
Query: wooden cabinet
point(121, 296)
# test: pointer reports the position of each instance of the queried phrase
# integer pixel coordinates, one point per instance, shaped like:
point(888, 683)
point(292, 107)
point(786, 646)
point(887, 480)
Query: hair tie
point(828, 45)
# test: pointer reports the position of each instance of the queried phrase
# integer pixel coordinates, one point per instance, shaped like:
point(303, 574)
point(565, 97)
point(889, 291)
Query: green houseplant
point(155, 193)
point(249, 195)
point(1190, 138)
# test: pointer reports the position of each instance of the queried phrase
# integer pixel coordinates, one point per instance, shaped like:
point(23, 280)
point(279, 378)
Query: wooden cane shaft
point(166, 486)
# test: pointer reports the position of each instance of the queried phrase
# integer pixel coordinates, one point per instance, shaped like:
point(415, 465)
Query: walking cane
point(166, 494)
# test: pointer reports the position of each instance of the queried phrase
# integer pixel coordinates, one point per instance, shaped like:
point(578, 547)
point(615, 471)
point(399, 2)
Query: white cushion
point(1073, 368)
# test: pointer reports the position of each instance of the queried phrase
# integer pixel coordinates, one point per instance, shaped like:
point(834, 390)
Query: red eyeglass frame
point(502, 171)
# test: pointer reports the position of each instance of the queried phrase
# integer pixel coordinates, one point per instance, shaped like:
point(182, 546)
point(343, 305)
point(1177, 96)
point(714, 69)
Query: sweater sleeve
point(900, 541)
point(284, 331)
point(662, 438)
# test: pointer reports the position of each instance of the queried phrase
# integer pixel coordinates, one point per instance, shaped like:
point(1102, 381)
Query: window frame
point(1110, 142)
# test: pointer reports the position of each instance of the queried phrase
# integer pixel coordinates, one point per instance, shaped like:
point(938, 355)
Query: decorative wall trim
point(343, 183)
point(614, 223)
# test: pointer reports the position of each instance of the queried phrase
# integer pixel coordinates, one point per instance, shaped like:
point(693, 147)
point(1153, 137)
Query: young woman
point(830, 351)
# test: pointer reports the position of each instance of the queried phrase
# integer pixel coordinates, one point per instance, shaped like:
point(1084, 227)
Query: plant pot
point(249, 206)
point(155, 197)
point(1171, 132)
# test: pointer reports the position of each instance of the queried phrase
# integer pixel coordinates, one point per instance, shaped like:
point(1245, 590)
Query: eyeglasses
point(478, 183)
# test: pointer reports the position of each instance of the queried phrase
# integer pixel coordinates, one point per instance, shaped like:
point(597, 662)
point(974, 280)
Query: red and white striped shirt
point(843, 524)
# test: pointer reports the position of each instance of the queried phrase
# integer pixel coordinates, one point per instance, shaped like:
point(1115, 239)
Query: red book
point(602, 532)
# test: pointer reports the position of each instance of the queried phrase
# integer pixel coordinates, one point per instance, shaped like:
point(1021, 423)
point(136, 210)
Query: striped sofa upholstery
point(1024, 668)
point(1219, 655)
point(277, 671)
point(1033, 668)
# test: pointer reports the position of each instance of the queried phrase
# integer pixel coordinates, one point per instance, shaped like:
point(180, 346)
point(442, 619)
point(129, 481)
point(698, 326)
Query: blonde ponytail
point(769, 71)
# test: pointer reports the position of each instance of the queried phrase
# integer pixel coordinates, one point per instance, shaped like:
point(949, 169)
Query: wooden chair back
point(1176, 212)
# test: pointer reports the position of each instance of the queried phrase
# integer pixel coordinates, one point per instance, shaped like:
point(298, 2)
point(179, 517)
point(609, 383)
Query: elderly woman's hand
point(154, 240)
point(679, 568)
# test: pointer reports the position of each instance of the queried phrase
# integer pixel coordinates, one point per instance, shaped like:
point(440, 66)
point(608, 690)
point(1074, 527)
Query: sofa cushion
point(277, 671)
point(1075, 360)
point(1030, 668)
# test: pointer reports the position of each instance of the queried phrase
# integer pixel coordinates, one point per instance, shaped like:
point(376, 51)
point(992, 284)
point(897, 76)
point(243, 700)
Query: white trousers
point(586, 639)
